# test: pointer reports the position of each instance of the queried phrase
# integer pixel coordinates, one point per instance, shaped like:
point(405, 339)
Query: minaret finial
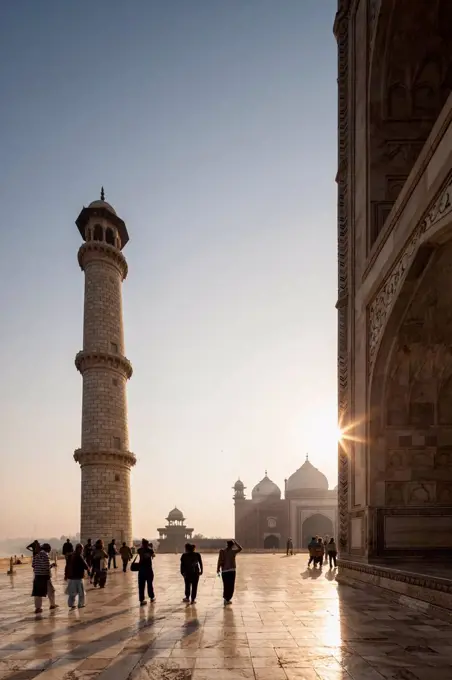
point(307, 457)
point(265, 472)
point(102, 194)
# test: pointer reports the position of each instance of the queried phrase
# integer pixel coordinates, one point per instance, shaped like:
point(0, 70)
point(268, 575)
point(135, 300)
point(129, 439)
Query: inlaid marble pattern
point(286, 623)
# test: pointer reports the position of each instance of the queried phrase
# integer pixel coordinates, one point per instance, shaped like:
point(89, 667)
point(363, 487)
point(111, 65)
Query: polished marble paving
point(286, 623)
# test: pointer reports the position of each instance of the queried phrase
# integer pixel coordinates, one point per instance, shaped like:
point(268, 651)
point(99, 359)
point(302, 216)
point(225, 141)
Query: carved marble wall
point(410, 79)
point(394, 373)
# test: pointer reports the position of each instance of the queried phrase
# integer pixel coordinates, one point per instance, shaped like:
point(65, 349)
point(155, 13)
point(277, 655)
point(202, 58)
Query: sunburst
point(347, 434)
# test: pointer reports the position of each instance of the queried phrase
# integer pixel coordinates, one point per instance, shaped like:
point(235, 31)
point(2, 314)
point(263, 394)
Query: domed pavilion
point(266, 520)
point(175, 534)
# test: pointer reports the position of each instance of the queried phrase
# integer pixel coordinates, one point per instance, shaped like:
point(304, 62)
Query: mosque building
point(266, 521)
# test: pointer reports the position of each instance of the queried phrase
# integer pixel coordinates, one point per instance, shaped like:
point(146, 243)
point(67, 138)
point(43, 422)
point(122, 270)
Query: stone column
point(104, 456)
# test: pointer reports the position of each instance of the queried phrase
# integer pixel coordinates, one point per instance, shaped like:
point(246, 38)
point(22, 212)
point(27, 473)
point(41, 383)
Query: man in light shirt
point(226, 565)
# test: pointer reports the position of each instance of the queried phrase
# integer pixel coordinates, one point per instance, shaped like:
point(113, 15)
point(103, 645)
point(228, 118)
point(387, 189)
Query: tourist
point(226, 564)
point(146, 572)
point(42, 582)
point(191, 569)
point(289, 547)
point(76, 571)
point(319, 552)
point(68, 549)
point(112, 552)
point(126, 555)
point(99, 564)
point(34, 547)
point(332, 553)
point(312, 547)
point(88, 556)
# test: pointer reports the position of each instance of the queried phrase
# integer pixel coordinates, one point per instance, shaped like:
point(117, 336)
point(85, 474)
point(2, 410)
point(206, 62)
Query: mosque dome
point(239, 485)
point(307, 477)
point(102, 204)
point(266, 489)
point(175, 515)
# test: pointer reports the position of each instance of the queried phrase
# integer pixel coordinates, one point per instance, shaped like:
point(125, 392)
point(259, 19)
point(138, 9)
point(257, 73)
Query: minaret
point(104, 456)
point(240, 511)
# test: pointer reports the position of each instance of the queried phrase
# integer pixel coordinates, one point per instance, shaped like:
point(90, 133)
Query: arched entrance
point(271, 542)
point(410, 440)
point(316, 525)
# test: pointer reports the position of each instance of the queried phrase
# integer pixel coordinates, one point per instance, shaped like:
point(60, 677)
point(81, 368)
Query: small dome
point(102, 204)
point(239, 485)
point(266, 489)
point(175, 515)
point(307, 477)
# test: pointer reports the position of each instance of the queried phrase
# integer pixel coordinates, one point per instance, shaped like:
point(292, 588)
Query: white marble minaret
point(104, 455)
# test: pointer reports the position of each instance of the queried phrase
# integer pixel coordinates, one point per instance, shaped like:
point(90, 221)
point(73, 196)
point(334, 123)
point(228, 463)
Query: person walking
point(146, 572)
point(42, 582)
point(68, 550)
point(319, 553)
point(99, 564)
point(289, 547)
point(88, 551)
point(126, 555)
point(312, 546)
point(227, 566)
point(112, 552)
point(332, 553)
point(191, 569)
point(76, 571)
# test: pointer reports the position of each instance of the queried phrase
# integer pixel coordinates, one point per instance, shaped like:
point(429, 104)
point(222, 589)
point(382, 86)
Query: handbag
point(135, 566)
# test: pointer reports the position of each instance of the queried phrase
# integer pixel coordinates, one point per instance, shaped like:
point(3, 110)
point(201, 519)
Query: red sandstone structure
point(266, 521)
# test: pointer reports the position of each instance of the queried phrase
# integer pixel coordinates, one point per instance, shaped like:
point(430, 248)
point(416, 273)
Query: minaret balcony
point(100, 250)
point(85, 360)
point(104, 457)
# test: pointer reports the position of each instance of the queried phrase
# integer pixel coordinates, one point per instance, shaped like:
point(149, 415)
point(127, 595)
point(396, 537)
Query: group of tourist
point(321, 549)
point(94, 561)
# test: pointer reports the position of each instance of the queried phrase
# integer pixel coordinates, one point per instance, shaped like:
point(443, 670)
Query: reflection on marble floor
point(285, 624)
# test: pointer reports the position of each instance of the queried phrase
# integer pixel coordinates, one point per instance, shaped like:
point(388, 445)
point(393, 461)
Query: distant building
point(266, 521)
point(175, 535)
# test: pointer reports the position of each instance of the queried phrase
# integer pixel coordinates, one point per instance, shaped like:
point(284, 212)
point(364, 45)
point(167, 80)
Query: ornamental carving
point(385, 298)
point(383, 302)
point(441, 208)
point(341, 28)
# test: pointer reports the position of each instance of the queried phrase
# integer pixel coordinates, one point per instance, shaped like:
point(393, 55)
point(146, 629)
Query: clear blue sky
point(212, 126)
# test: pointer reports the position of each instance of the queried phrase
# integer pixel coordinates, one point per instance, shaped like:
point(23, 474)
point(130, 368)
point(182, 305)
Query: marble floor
point(286, 623)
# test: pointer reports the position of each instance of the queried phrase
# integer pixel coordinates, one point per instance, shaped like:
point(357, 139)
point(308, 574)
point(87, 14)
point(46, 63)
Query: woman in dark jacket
point(191, 569)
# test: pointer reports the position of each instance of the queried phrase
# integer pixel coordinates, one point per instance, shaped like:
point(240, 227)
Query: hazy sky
point(212, 126)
